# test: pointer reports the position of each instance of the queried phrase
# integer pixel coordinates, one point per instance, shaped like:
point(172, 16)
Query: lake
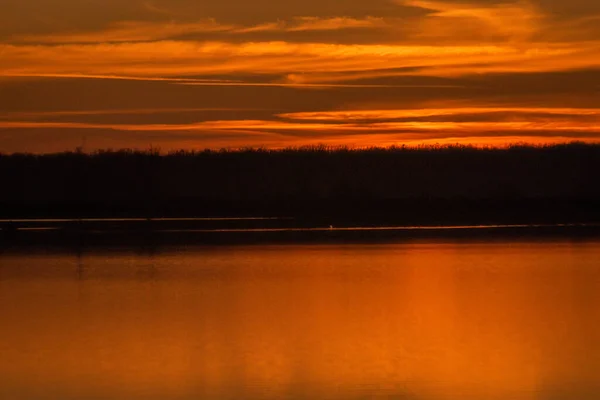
point(431, 320)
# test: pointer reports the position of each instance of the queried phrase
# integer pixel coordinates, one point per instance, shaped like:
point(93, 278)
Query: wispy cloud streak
point(149, 31)
point(283, 58)
point(354, 115)
point(518, 20)
point(545, 127)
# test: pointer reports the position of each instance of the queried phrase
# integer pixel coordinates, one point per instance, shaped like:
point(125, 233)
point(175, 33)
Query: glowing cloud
point(217, 58)
point(387, 72)
point(515, 21)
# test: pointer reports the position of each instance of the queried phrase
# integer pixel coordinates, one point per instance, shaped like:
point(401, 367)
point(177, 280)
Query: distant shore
point(309, 187)
point(77, 234)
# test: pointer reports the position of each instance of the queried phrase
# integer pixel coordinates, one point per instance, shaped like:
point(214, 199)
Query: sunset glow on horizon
point(198, 74)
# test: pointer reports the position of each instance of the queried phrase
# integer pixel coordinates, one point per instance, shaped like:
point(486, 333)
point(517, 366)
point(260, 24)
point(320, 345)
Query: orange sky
point(235, 73)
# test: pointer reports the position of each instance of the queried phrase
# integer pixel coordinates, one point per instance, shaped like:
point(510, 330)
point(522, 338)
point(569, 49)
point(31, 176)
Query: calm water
point(502, 320)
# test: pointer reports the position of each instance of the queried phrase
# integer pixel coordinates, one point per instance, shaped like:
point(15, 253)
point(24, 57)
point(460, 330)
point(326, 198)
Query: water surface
point(435, 320)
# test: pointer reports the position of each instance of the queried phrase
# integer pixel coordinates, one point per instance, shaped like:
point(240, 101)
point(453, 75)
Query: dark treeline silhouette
point(398, 185)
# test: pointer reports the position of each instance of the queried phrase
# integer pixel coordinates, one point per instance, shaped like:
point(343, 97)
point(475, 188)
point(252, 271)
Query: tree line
point(399, 184)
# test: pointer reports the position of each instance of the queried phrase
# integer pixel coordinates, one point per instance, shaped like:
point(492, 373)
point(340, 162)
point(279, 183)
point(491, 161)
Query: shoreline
point(77, 236)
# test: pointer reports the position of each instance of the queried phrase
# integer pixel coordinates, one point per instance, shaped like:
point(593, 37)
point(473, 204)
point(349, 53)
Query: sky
point(195, 74)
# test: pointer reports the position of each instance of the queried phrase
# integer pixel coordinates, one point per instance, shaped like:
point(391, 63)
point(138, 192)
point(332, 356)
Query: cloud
point(180, 59)
point(374, 115)
point(450, 39)
point(208, 82)
point(129, 31)
point(347, 123)
point(475, 21)
point(122, 78)
point(148, 31)
point(304, 24)
point(374, 59)
point(325, 24)
point(358, 128)
point(264, 27)
point(27, 115)
point(525, 22)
